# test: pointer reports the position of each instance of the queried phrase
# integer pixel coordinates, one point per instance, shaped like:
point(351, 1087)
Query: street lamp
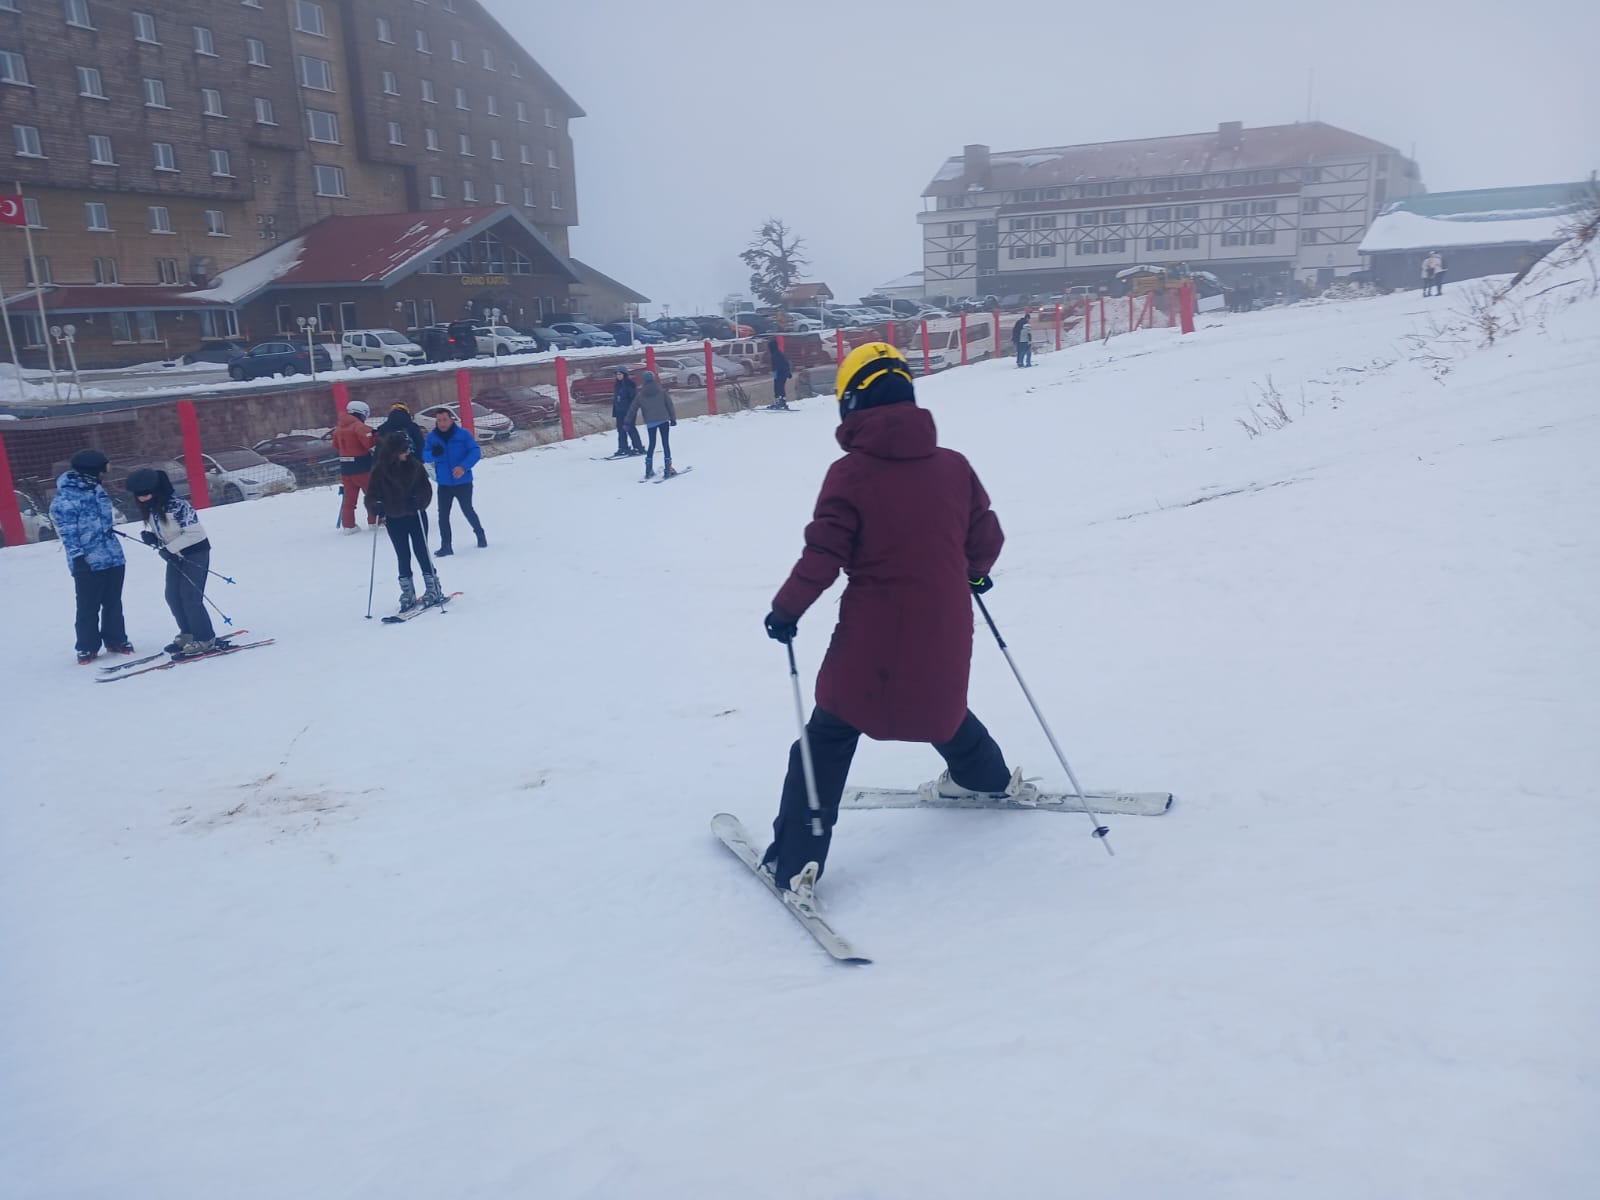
point(493, 317)
point(309, 325)
point(66, 335)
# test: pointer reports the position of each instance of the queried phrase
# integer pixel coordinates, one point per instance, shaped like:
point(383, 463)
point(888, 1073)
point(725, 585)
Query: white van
point(379, 348)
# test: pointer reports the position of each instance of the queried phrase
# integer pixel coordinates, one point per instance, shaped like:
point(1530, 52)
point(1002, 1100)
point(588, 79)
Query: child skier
point(171, 526)
point(655, 406)
point(397, 496)
point(84, 520)
point(910, 526)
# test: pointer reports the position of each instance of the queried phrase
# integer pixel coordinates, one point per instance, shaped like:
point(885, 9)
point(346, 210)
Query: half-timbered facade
point(1285, 203)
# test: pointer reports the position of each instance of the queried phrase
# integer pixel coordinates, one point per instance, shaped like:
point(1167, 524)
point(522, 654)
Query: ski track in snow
point(433, 910)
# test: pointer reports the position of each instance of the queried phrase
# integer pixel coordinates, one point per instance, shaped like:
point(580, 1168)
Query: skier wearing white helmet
point(354, 442)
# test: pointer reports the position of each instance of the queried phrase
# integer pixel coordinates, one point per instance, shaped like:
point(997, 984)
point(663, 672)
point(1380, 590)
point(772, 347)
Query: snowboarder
point(1024, 336)
point(1433, 274)
point(910, 525)
point(397, 496)
point(84, 519)
point(659, 415)
point(354, 440)
point(453, 452)
point(622, 393)
point(781, 373)
point(171, 526)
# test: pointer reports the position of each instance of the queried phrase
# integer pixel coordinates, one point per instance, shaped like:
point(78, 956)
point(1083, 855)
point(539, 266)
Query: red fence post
point(564, 399)
point(1058, 327)
point(999, 346)
point(1186, 304)
point(927, 365)
point(1102, 316)
point(963, 337)
point(189, 422)
point(10, 510)
point(838, 347)
point(1088, 320)
point(341, 398)
point(464, 399)
point(1130, 312)
point(1172, 310)
point(650, 359)
point(711, 381)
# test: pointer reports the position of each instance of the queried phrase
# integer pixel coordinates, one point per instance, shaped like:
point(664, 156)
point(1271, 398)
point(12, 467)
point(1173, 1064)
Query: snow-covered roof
point(902, 282)
point(1487, 217)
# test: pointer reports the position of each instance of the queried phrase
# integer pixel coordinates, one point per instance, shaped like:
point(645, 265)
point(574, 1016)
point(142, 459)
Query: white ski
point(1130, 804)
point(732, 832)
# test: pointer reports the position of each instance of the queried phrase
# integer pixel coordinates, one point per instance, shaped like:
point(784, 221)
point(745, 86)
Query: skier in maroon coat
point(910, 526)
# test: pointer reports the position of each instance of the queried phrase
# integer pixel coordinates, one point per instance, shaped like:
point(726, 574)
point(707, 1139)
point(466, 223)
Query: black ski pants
point(666, 445)
point(628, 435)
point(973, 756)
point(99, 597)
point(451, 494)
point(406, 534)
point(186, 593)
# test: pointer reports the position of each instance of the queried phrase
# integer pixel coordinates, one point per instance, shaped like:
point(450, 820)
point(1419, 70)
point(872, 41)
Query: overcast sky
point(703, 119)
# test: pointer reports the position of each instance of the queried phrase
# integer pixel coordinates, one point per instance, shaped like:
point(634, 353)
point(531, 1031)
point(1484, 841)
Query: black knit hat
point(90, 462)
point(147, 481)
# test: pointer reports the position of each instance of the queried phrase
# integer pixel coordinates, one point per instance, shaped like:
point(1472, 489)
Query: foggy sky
point(704, 119)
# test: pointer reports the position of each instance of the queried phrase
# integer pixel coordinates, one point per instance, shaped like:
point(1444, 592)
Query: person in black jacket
point(397, 495)
point(622, 395)
point(399, 421)
point(781, 373)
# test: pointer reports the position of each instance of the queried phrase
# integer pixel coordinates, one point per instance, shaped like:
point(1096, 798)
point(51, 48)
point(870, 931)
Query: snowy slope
point(432, 911)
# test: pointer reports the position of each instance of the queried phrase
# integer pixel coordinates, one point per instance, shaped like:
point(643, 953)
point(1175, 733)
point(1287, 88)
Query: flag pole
point(38, 294)
point(11, 338)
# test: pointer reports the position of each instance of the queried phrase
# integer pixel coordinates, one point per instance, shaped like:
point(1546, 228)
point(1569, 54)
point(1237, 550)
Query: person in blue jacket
point(84, 519)
point(622, 393)
point(453, 452)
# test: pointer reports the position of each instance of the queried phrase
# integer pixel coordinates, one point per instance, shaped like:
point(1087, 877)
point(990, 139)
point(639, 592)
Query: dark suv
point(277, 358)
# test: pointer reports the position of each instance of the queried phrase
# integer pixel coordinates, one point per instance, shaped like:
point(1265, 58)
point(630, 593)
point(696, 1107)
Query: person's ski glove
point(980, 585)
point(149, 538)
point(167, 554)
point(781, 628)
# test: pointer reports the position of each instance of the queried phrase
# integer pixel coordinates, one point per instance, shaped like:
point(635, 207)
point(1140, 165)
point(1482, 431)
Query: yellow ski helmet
point(864, 366)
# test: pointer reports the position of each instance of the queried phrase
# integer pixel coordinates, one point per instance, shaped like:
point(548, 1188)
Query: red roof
point(1154, 158)
point(807, 291)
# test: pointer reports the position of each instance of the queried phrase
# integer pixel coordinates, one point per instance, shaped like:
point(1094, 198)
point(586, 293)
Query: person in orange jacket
point(354, 441)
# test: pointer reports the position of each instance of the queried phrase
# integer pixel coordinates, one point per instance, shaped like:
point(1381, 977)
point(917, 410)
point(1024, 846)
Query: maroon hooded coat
point(908, 523)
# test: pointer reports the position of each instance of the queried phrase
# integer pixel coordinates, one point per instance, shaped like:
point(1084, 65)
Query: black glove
point(167, 554)
point(781, 628)
point(377, 507)
point(80, 565)
point(980, 585)
point(149, 538)
point(673, 424)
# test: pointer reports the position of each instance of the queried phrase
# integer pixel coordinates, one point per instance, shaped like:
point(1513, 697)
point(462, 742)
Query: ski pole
point(1100, 831)
point(157, 549)
point(372, 571)
point(805, 747)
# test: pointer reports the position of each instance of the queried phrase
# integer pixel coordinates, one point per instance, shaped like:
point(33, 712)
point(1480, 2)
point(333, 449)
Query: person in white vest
point(1433, 274)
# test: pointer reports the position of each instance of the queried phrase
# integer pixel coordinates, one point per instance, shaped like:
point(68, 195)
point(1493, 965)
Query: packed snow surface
point(432, 910)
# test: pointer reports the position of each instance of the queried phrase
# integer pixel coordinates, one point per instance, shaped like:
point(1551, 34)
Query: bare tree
point(775, 260)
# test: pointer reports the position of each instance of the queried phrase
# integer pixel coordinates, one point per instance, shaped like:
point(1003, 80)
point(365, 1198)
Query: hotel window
point(527, 198)
point(95, 218)
point(427, 91)
point(423, 46)
point(322, 126)
point(211, 102)
point(457, 54)
point(1159, 214)
point(1233, 239)
point(430, 139)
point(1088, 247)
point(1189, 212)
point(436, 186)
point(30, 213)
point(397, 136)
point(385, 30)
point(89, 84)
point(144, 29)
point(255, 52)
point(1048, 250)
point(204, 43)
point(555, 198)
point(527, 155)
point(499, 193)
point(550, 158)
point(549, 119)
point(461, 100)
point(105, 270)
point(221, 164)
point(1088, 218)
point(1263, 206)
point(27, 140)
point(316, 73)
point(160, 219)
point(469, 191)
point(44, 276)
point(1113, 246)
point(491, 105)
point(1308, 237)
point(155, 94)
point(1158, 243)
point(955, 257)
point(391, 84)
point(13, 68)
point(464, 144)
point(1189, 242)
point(522, 111)
point(77, 13)
point(488, 59)
point(216, 222)
point(308, 18)
point(162, 157)
point(1310, 204)
point(100, 151)
point(1263, 237)
point(167, 270)
point(494, 149)
point(264, 111)
point(329, 180)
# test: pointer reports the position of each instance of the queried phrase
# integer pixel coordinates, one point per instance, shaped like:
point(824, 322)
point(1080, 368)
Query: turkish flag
point(12, 211)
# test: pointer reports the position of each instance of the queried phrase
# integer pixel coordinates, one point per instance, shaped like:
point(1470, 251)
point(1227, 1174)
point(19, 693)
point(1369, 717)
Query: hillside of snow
point(432, 910)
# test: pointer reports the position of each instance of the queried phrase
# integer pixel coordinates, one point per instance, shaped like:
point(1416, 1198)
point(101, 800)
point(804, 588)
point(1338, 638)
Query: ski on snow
point(402, 618)
point(665, 478)
point(230, 648)
point(150, 658)
point(1127, 804)
point(732, 834)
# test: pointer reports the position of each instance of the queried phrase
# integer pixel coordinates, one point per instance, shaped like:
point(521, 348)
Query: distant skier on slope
point(782, 372)
point(910, 526)
point(655, 406)
point(398, 495)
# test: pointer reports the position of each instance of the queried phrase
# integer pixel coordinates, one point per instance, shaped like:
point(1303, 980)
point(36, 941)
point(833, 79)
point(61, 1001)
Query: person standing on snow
point(781, 374)
point(397, 496)
point(399, 421)
point(1433, 274)
point(1022, 340)
point(170, 525)
point(453, 452)
point(84, 520)
point(655, 406)
point(622, 393)
point(910, 525)
point(354, 441)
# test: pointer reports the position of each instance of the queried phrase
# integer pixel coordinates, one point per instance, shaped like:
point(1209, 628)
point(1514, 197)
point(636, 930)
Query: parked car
point(527, 406)
point(715, 328)
point(379, 348)
point(584, 334)
point(502, 339)
point(277, 358)
point(461, 340)
point(756, 322)
point(550, 339)
point(221, 353)
point(487, 424)
point(312, 460)
point(691, 372)
point(36, 523)
point(633, 335)
point(677, 329)
point(240, 474)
